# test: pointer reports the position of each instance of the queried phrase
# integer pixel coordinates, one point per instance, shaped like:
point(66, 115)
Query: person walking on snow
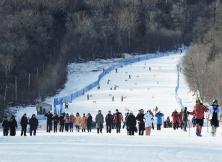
point(139, 118)
point(49, 117)
point(185, 119)
point(160, 120)
point(118, 118)
point(33, 123)
point(71, 122)
point(89, 122)
point(24, 122)
point(198, 111)
point(175, 116)
point(5, 126)
point(83, 123)
point(99, 121)
point(55, 122)
point(78, 122)
point(214, 116)
point(67, 122)
point(148, 119)
point(12, 126)
point(109, 121)
point(131, 124)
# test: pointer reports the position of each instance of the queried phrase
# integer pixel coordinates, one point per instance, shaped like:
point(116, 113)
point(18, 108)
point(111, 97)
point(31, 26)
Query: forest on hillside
point(40, 37)
point(203, 62)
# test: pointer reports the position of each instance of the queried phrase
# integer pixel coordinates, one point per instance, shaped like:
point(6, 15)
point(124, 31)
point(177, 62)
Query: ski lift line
point(69, 98)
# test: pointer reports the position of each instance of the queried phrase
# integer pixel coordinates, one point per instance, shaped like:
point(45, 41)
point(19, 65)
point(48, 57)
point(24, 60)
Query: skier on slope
point(99, 121)
point(139, 118)
point(198, 111)
point(214, 116)
point(148, 119)
point(24, 122)
point(109, 121)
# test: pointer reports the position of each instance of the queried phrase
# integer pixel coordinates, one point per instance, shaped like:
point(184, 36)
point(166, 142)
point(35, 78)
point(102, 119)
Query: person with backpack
point(89, 122)
point(198, 111)
point(159, 117)
point(109, 121)
point(99, 121)
point(33, 123)
point(5, 126)
point(12, 126)
point(24, 122)
point(130, 124)
point(214, 116)
point(139, 118)
point(118, 118)
point(148, 119)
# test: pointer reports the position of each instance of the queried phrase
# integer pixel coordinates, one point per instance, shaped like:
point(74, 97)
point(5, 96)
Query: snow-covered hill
point(146, 89)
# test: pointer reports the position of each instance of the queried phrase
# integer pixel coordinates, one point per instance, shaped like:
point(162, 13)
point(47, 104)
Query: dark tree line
point(39, 37)
point(203, 63)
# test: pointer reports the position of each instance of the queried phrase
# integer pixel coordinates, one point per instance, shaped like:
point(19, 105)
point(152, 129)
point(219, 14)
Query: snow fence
point(59, 101)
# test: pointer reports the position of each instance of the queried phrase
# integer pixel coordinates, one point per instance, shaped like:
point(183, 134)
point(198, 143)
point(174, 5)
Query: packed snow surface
point(146, 89)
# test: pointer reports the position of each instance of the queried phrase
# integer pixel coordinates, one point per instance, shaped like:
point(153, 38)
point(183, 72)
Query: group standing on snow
point(140, 123)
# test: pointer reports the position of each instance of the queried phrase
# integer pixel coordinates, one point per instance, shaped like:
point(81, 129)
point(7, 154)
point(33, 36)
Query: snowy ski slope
point(146, 89)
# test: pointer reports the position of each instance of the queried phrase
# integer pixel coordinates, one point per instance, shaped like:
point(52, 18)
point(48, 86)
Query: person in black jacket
point(24, 122)
point(33, 123)
point(62, 122)
point(139, 118)
point(12, 126)
point(55, 122)
point(89, 122)
point(131, 124)
point(49, 121)
point(109, 121)
point(5, 125)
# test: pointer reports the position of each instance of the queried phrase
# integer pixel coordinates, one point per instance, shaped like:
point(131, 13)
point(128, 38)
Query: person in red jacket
point(198, 112)
point(175, 116)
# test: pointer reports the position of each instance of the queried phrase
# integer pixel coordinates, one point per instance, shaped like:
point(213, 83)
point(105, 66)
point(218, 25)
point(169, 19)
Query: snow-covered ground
point(146, 89)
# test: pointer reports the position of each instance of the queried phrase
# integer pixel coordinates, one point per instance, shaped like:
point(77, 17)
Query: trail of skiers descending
point(139, 123)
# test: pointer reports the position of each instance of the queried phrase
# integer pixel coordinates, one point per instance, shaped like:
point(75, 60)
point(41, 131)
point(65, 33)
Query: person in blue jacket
point(159, 120)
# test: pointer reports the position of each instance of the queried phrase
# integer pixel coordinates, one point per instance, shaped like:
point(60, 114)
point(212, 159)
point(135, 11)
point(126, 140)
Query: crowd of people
point(142, 122)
